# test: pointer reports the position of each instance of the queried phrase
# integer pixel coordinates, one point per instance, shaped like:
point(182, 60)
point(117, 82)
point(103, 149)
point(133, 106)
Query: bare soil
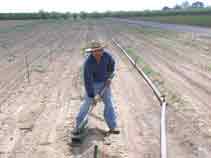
point(36, 117)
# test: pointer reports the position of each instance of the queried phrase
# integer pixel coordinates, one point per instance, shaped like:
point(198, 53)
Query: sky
point(87, 5)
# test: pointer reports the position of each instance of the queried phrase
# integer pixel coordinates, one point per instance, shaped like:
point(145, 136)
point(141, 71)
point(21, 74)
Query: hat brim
point(98, 48)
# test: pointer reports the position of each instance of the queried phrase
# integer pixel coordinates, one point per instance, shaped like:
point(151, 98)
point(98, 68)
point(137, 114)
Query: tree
point(166, 8)
point(43, 14)
point(185, 5)
point(74, 16)
point(54, 15)
point(177, 7)
point(95, 15)
point(83, 15)
point(198, 4)
point(108, 14)
point(66, 15)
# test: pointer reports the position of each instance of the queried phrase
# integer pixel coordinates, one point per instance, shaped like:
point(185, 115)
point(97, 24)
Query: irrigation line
point(163, 131)
point(161, 98)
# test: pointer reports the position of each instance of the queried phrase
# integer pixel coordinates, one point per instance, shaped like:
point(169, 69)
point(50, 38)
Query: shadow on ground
point(86, 149)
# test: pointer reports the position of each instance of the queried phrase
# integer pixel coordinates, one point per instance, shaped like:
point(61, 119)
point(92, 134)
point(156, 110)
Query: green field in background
point(201, 20)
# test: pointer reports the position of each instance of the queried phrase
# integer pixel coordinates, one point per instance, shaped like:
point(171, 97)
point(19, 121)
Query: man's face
point(97, 53)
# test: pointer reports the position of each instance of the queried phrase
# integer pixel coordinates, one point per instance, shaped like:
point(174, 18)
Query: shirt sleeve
point(88, 80)
point(111, 65)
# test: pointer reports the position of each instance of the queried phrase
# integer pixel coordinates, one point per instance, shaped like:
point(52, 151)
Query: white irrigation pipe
point(163, 139)
point(163, 131)
point(141, 72)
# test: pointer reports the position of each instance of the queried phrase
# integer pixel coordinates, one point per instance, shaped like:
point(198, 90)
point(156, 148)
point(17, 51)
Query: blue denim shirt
point(97, 72)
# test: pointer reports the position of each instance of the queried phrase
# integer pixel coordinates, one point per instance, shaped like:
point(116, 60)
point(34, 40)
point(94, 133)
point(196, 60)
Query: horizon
point(62, 6)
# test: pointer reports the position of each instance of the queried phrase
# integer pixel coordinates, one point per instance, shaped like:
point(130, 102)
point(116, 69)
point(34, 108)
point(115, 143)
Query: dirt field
point(205, 31)
point(36, 116)
point(13, 23)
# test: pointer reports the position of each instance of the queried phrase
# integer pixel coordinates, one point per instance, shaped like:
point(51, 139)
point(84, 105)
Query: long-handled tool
point(95, 101)
point(98, 98)
point(83, 125)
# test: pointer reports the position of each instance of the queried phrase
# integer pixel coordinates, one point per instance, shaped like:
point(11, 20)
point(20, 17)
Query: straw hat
point(96, 45)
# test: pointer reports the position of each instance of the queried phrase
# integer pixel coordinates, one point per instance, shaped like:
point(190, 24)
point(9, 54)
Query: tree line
point(185, 5)
point(196, 8)
point(40, 15)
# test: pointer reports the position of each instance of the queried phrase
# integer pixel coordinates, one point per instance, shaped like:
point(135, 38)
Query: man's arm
point(88, 80)
point(111, 69)
point(112, 63)
point(111, 66)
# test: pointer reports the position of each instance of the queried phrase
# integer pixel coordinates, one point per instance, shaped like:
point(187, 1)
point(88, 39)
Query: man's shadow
point(94, 135)
point(86, 148)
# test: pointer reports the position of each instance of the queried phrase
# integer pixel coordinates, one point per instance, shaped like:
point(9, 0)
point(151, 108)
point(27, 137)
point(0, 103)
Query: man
point(98, 69)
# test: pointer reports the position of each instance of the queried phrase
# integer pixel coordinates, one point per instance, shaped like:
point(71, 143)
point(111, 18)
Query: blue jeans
point(109, 112)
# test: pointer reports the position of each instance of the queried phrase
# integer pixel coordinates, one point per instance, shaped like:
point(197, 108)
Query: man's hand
point(96, 99)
